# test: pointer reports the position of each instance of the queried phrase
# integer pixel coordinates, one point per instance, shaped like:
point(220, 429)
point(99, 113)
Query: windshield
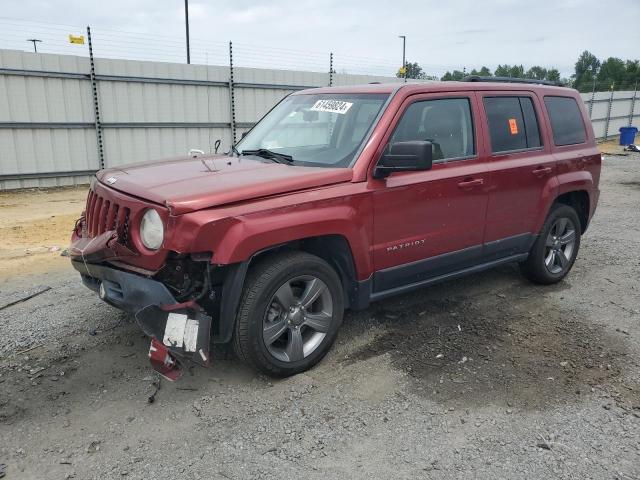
point(320, 130)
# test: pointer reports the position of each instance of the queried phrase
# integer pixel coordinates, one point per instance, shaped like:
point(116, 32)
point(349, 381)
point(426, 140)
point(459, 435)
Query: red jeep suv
point(339, 197)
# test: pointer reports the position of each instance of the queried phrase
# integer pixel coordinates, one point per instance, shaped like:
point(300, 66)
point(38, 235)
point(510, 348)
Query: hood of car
point(189, 184)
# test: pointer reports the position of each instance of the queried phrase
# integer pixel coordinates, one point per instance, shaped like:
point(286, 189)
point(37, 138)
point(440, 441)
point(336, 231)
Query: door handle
point(476, 182)
point(542, 171)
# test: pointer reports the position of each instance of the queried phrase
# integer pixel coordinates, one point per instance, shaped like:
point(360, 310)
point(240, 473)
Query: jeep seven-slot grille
point(103, 215)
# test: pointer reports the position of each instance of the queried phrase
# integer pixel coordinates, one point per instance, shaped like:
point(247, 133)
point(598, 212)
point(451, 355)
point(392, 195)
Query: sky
point(441, 35)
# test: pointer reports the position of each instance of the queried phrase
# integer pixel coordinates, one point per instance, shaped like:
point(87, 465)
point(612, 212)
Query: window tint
point(444, 122)
point(530, 122)
point(566, 120)
point(512, 123)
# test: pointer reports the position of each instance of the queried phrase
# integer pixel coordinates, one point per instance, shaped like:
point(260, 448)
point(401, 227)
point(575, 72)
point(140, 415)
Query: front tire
point(556, 248)
point(289, 315)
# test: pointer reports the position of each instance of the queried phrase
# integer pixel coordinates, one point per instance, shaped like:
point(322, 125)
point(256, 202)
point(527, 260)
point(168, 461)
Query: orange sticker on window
point(513, 126)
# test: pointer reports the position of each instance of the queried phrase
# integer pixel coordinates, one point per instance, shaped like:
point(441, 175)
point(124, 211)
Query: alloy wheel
point(560, 245)
point(298, 318)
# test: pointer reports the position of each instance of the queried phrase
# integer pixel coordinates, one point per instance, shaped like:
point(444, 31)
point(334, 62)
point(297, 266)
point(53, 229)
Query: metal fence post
point(96, 103)
point(606, 125)
point(593, 97)
point(232, 100)
point(331, 69)
point(633, 104)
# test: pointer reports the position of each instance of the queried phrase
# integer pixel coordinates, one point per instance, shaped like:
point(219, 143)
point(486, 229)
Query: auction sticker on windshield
point(331, 106)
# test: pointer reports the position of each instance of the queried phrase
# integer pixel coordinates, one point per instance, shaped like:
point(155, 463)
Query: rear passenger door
point(522, 169)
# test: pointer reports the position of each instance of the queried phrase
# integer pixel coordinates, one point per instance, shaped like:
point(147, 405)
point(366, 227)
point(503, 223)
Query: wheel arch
point(332, 248)
point(579, 201)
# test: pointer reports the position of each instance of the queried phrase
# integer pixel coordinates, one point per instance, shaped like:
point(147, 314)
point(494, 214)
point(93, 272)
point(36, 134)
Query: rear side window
point(513, 124)
point(566, 120)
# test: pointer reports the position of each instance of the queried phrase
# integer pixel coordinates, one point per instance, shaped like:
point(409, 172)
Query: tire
point(555, 250)
point(289, 315)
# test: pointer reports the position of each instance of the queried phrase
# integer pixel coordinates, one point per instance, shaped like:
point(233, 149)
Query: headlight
point(151, 230)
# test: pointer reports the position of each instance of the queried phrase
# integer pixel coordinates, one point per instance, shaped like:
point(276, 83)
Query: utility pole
point(404, 58)
point(34, 40)
point(186, 23)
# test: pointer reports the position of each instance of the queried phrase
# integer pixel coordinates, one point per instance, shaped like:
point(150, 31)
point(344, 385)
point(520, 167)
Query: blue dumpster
point(627, 135)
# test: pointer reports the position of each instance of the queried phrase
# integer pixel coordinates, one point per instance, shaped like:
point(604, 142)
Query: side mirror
point(405, 157)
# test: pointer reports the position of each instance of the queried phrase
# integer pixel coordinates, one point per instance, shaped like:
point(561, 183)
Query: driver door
point(430, 223)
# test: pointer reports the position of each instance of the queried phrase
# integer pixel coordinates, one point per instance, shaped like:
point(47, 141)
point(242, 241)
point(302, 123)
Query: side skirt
point(447, 276)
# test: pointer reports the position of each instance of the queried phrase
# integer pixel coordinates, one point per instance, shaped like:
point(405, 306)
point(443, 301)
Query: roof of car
point(426, 87)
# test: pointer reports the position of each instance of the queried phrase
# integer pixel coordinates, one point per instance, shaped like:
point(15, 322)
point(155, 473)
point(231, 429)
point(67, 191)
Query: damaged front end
point(180, 333)
point(170, 303)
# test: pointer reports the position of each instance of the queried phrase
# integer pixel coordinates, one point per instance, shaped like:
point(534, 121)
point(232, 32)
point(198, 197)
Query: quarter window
point(512, 123)
point(566, 120)
point(444, 122)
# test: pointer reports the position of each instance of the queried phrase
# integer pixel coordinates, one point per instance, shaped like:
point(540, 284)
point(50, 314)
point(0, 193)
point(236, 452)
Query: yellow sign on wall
point(76, 39)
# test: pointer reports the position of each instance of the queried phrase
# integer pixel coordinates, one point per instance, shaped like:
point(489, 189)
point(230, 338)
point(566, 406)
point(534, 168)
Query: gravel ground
point(485, 377)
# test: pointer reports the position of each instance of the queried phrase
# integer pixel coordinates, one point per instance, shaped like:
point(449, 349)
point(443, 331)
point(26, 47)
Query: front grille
point(103, 215)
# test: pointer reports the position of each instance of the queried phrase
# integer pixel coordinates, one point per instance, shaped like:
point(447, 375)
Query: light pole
point(404, 59)
point(186, 23)
point(34, 40)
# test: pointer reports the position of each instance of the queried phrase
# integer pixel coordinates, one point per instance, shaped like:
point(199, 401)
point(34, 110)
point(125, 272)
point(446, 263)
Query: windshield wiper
point(264, 153)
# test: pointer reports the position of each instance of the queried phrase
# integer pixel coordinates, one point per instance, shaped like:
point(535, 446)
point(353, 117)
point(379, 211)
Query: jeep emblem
point(111, 180)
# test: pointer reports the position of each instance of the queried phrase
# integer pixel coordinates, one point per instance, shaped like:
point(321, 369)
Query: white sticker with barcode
point(331, 106)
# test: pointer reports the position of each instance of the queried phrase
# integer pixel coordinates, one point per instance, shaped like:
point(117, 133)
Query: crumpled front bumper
point(126, 291)
point(176, 329)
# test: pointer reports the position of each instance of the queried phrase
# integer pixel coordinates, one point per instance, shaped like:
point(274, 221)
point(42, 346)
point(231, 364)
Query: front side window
point(512, 123)
point(566, 120)
point(446, 123)
point(319, 130)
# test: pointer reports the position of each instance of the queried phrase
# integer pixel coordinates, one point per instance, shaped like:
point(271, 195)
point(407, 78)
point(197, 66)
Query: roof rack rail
point(478, 78)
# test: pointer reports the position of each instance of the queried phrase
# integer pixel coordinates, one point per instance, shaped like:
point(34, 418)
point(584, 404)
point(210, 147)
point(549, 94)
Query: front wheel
point(289, 315)
point(556, 248)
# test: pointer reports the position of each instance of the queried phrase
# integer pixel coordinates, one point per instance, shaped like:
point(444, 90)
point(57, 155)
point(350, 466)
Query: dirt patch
point(612, 147)
point(501, 349)
point(35, 226)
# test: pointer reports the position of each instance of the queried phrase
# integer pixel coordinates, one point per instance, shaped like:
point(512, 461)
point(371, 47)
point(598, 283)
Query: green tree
point(632, 74)
point(586, 70)
point(502, 71)
point(413, 71)
point(455, 75)
point(612, 73)
point(537, 73)
point(511, 71)
point(553, 75)
point(483, 72)
point(517, 71)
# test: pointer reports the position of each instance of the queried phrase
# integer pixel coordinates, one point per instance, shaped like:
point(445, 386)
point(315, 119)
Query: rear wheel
point(556, 248)
point(289, 315)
